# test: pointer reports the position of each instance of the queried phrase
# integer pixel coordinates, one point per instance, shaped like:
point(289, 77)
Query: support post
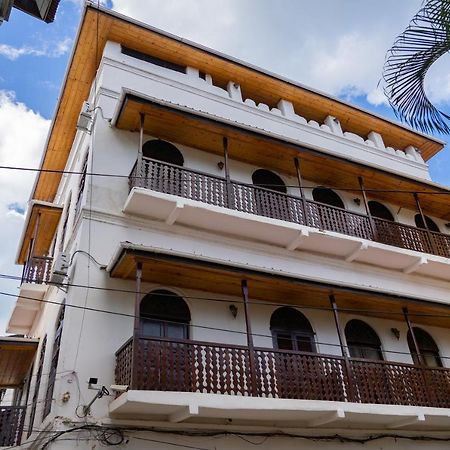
point(136, 327)
point(251, 348)
point(413, 336)
point(302, 192)
point(228, 185)
point(349, 386)
point(422, 215)
point(373, 228)
point(139, 168)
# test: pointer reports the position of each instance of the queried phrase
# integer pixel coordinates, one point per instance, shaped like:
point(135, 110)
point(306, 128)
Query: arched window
point(377, 209)
point(291, 330)
point(269, 180)
point(362, 340)
point(432, 226)
point(164, 314)
point(427, 348)
point(327, 196)
point(162, 151)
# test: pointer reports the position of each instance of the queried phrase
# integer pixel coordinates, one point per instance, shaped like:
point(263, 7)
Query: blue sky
point(336, 46)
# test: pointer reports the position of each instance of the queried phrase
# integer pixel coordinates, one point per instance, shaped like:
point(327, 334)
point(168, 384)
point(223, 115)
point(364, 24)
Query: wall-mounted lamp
point(233, 310)
point(357, 201)
point(220, 165)
point(396, 332)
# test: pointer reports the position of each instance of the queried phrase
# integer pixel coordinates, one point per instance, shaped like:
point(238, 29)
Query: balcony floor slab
point(282, 413)
point(292, 236)
point(26, 308)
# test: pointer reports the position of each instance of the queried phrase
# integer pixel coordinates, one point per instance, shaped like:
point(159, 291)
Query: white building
point(249, 261)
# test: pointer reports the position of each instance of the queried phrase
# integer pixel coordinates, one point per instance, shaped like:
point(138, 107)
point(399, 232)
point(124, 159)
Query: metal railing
point(11, 425)
point(206, 188)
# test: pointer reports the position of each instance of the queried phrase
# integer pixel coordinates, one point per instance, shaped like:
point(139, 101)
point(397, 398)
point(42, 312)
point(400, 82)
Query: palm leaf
point(424, 41)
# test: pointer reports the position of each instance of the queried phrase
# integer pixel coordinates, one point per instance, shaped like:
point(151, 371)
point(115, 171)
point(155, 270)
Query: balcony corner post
point(422, 215)
point(250, 345)
point(136, 328)
point(373, 228)
point(413, 336)
point(140, 170)
point(228, 185)
point(350, 385)
point(302, 192)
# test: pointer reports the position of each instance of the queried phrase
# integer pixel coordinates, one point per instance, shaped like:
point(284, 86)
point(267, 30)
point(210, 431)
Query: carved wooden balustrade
point(190, 366)
point(37, 270)
point(11, 425)
point(206, 188)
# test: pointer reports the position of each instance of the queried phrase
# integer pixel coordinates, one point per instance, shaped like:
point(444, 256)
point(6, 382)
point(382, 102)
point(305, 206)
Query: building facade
point(221, 258)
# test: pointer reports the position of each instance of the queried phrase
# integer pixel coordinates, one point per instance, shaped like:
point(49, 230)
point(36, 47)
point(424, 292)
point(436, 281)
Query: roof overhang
point(40, 9)
point(100, 25)
point(186, 126)
point(40, 225)
point(16, 357)
point(267, 287)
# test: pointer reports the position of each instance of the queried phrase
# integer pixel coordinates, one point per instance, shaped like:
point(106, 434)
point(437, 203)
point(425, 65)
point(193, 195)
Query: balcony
point(190, 366)
point(11, 425)
point(212, 190)
point(37, 270)
point(35, 279)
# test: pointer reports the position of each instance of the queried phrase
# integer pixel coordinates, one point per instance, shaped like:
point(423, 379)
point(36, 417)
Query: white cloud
point(55, 50)
point(22, 137)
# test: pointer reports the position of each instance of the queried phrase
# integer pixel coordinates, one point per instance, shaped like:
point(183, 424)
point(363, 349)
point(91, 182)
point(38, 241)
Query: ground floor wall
point(89, 436)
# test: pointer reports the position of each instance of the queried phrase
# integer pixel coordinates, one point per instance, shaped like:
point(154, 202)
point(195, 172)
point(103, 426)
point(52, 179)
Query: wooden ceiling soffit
point(270, 289)
point(16, 357)
point(188, 128)
point(100, 25)
point(39, 230)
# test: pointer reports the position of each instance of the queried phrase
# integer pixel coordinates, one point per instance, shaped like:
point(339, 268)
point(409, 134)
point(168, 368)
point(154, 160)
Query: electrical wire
point(228, 301)
point(204, 327)
point(191, 180)
point(98, 431)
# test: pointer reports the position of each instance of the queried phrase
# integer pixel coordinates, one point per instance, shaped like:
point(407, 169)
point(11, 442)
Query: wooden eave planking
point(45, 230)
point(98, 26)
point(216, 279)
point(15, 361)
point(253, 148)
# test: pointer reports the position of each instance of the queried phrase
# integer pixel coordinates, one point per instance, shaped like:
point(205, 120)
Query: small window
point(380, 211)
point(363, 341)
point(153, 60)
point(37, 386)
point(162, 151)
point(81, 184)
point(291, 330)
point(328, 197)
point(164, 314)
point(431, 225)
point(269, 180)
point(64, 227)
point(427, 347)
point(54, 362)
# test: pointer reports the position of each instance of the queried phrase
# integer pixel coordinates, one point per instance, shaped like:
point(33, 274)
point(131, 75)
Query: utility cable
point(194, 181)
point(204, 327)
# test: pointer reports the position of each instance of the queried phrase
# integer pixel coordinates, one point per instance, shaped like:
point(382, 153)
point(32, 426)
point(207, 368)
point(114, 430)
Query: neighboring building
point(254, 261)
point(40, 9)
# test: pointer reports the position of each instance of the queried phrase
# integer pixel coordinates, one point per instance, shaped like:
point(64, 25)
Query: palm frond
point(424, 41)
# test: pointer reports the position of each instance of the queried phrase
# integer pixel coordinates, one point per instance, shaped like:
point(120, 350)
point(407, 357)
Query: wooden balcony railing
point(11, 425)
point(37, 270)
point(206, 188)
point(191, 366)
